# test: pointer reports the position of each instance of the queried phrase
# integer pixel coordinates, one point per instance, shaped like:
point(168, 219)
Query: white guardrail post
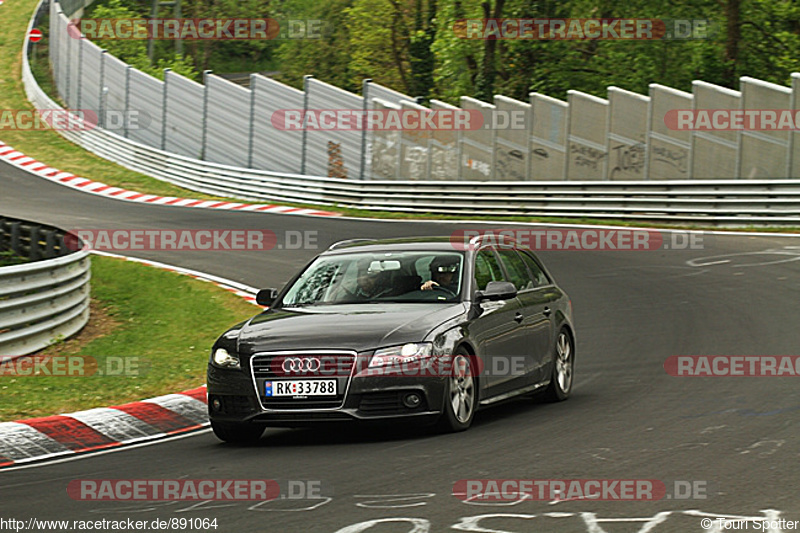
point(45, 299)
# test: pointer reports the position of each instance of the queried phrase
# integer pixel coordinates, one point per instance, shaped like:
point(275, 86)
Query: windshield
point(406, 276)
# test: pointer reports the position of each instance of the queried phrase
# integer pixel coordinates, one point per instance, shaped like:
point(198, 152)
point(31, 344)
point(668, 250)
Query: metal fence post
point(458, 148)
point(127, 100)
point(164, 113)
point(102, 90)
point(306, 78)
point(567, 142)
point(15, 238)
point(205, 114)
point(364, 122)
point(34, 250)
point(50, 244)
point(80, 74)
point(68, 70)
point(252, 121)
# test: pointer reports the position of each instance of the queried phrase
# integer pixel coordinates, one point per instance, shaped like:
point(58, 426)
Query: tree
point(484, 85)
point(422, 60)
point(134, 52)
point(327, 57)
point(378, 34)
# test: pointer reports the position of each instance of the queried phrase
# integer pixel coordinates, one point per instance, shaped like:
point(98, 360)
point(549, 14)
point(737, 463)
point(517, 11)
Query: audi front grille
point(275, 367)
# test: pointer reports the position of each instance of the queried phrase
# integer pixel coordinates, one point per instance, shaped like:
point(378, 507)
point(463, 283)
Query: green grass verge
point(49, 147)
point(10, 258)
point(167, 321)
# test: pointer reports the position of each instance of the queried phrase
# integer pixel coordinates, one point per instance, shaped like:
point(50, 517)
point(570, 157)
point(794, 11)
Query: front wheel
point(236, 433)
point(563, 366)
point(461, 395)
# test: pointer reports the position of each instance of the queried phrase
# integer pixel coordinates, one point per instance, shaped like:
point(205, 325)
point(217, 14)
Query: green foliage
point(421, 57)
point(769, 48)
point(457, 58)
point(134, 52)
point(770, 40)
point(377, 34)
point(214, 55)
point(327, 57)
point(180, 64)
point(412, 46)
point(8, 258)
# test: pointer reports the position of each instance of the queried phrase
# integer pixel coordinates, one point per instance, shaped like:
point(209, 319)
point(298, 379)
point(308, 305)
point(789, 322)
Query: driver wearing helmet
point(443, 274)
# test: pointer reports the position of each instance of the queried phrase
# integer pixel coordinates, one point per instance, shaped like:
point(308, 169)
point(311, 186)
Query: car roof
point(405, 243)
point(451, 243)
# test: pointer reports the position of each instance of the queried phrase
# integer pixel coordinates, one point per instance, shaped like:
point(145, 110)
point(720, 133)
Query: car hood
point(359, 327)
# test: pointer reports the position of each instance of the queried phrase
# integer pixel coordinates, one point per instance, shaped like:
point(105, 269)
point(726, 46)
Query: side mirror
point(265, 297)
point(497, 290)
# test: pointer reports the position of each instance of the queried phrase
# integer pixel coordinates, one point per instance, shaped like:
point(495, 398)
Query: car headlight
point(223, 359)
point(401, 354)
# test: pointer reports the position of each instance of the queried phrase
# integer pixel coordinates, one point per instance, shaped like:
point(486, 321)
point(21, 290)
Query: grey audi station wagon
point(430, 329)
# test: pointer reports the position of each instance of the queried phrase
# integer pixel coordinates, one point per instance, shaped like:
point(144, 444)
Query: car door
point(496, 330)
point(536, 308)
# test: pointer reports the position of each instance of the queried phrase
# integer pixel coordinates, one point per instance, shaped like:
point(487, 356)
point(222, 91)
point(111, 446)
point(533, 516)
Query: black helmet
point(444, 264)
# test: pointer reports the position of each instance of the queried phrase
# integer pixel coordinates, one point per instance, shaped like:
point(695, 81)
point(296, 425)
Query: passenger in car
point(370, 284)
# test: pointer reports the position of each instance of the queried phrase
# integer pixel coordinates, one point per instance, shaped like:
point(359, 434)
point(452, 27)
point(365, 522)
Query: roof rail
point(495, 236)
point(348, 241)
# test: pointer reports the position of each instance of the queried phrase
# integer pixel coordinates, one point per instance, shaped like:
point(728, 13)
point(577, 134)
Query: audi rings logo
point(306, 364)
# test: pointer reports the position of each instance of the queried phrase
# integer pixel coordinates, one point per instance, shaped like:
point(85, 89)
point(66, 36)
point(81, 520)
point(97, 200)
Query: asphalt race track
point(627, 419)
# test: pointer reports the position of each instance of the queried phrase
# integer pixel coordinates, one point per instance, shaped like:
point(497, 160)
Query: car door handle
point(519, 318)
point(546, 311)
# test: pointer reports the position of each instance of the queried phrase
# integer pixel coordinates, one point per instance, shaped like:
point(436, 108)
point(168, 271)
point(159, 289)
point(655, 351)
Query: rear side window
point(539, 277)
point(517, 273)
point(486, 269)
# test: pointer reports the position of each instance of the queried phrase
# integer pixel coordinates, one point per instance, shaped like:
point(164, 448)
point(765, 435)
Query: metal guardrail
point(46, 298)
point(729, 202)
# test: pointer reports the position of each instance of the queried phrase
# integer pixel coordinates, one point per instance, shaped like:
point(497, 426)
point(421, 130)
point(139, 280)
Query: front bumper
point(233, 397)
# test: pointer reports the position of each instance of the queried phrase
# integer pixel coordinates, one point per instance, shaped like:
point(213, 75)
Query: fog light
point(412, 400)
point(216, 404)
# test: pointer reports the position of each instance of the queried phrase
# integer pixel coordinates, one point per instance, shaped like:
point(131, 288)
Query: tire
point(237, 433)
point(461, 395)
point(561, 377)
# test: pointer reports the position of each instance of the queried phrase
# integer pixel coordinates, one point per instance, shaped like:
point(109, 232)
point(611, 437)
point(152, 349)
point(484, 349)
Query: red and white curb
point(38, 439)
point(29, 164)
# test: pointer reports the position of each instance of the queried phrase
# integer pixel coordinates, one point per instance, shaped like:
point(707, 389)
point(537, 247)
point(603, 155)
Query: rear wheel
point(563, 365)
point(461, 395)
point(237, 433)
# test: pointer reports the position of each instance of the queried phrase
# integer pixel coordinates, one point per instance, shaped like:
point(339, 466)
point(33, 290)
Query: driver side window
point(486, 269)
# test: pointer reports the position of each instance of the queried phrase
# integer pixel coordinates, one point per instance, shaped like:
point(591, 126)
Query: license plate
point(300, 388)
